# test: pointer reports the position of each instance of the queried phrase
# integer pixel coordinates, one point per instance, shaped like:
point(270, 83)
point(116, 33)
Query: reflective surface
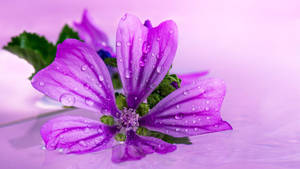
point(253, 45)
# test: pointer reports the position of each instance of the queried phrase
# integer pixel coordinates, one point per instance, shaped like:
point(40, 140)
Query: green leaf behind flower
point(35, 49)
point(67, 33)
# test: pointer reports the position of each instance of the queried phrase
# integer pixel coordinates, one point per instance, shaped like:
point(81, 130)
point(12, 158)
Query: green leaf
point(120, 101)
point(143, 109)
point(35, 49)
point(67, 33)
point(110, 61)
point(120, 137)
point(167, 138)
point(116, 81)
point(164, 89)
point(108, 120)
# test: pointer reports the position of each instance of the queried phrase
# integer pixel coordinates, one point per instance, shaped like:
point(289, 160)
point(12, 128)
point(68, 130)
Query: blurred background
point(254, 45)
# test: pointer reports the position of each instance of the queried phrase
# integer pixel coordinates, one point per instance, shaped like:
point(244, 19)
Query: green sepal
point(67, 33)
point(108, 120)
point(143, 109)
point(121, 101)
point(33, 48)
point(120, 137)
point(116, 81)
point(142, 131)
point(164, 89)
point(110, 61)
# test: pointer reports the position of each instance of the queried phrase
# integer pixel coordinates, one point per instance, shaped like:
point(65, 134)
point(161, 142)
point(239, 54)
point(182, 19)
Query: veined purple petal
point(144, 56)
point(190, 77)
point(72, 134)
point(77, 77)
point(91, 34)
point(190, 110)
point(137, 147)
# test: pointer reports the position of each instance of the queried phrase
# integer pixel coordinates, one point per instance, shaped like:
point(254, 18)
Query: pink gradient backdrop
point(254, 45)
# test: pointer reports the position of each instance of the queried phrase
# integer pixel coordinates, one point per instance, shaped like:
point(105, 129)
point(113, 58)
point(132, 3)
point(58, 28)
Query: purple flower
point(78, 77)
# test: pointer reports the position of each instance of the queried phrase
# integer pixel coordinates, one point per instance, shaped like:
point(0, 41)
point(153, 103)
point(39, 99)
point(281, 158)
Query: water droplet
point(185, 93)
point(171, 31)
point(153, 54)
point(146, 47)
point(177, 106)
point(67, 99)
point(194, 121)
point(127, 74)
point(216, 126)
point(89, 102)
point(186, 130)
point(207, 102)
point(42, 84)
point(178, 116)
point(158, 38)
point(60, 150)
point(86, 130)
point(177, 129)
point(206, 108)
point(193, 108)
point(142, 64)
point(207, 118)
point(128, 44)
point(83, 67)
point(43, 148)
point(158, 69)
point(83, 143)
point(196, 129)
point(100, 78)
point(100, 130)
point(135, 98)
point(124, 17)
point(119, 44)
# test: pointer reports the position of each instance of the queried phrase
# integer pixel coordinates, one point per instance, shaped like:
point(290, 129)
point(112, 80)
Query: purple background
point(254, 45)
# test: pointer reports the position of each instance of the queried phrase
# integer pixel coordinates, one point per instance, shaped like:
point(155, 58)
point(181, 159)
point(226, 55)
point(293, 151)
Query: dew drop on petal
point(207, 102)
point(84, 67)
point(196, 129)
point(142, 64)
point(177, 106)
point(118, 44)
point(185, 93)
point(67, 99)
point(124, 17)
point(100, 78)
point(171, 31)
point(128, 44)
point(194, 121)
point(127, 74)
point(158, 69)
point(89, 102)
point(178, 116)
point(177, 129)
point(83, 143)
point(60, 150)
point(206, 108)
point(42, 84)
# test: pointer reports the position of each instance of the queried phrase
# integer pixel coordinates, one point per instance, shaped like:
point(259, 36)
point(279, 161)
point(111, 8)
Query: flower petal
point(76, 134)
point(190, 77)
point(91, 34)
point(190, 110)
point(144, 56)
point(137, 147)
point(77, 77)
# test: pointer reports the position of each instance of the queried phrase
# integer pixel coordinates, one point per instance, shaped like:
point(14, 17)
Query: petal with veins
point(77, 77)
point(190, 110)
point(76, 134)
point(144, 56)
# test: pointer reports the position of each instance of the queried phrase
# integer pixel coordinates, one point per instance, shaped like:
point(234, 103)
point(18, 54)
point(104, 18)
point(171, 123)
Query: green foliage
point(116, 81)
point(164, 89)
point(67, 33)
point(35, 49)
point(110, 61)
point(143, 109)
point(120, 101)
point(167, 138)
point(120, 137)
point(108, 120)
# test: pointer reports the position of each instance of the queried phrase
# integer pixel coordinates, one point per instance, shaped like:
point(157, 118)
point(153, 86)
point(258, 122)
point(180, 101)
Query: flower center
point(129, 119)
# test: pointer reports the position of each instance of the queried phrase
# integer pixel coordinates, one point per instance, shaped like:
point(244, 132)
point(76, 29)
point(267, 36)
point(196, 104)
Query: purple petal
point(91, 34)
point(137, 147)
point(76, 134)
point(190, 110)
point(77, 77)
point(144, 56)
point(190, 77)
